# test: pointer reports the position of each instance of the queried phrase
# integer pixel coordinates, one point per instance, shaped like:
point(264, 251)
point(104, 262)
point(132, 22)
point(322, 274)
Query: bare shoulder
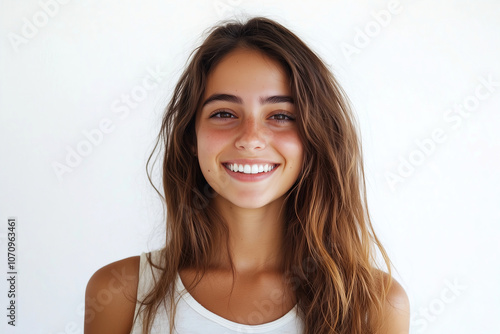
point(396, 311)
point(110, 297)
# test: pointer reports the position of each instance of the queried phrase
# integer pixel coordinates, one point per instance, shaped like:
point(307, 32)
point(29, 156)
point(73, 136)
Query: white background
point(439, 222)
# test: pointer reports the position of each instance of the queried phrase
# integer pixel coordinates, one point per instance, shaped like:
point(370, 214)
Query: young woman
point(267, 224)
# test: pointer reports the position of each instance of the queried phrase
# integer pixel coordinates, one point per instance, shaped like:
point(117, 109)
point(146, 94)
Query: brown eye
point(222, 114)
point(282, 117)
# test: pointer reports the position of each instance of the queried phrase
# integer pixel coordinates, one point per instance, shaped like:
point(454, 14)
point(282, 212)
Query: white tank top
point(192, 318)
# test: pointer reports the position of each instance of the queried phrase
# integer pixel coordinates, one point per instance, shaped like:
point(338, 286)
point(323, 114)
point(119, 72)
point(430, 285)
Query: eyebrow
point(237, 99)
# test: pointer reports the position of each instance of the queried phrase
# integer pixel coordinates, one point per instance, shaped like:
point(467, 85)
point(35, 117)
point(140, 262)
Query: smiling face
point(248, 144)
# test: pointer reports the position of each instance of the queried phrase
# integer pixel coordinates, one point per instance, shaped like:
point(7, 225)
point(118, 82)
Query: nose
point(251, 135)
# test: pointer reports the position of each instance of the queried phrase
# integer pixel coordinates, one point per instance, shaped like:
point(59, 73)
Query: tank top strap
point(147, 278)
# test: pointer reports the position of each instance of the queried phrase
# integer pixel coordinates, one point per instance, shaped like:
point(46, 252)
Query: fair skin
point(246, 118)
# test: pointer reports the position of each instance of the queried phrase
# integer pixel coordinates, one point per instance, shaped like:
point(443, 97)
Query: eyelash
point(218, 113)
point(289, 118)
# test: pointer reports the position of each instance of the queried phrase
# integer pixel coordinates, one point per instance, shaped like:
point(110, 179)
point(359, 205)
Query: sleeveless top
point(192, 318)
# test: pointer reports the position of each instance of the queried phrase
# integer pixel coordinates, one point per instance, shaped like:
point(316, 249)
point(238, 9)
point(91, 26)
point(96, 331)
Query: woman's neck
point(255, 236)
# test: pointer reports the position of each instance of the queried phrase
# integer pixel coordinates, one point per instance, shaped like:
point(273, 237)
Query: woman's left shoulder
point(396, 309)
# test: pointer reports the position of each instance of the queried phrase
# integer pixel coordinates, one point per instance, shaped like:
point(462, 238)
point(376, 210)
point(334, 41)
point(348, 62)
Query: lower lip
point(249, 177)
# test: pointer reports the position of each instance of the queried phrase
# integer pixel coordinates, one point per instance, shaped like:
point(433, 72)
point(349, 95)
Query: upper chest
point(253, 299)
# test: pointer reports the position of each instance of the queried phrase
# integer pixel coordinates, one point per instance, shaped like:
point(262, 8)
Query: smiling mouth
point(251, 169)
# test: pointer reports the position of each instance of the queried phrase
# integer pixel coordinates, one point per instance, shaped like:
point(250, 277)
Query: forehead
point(246, 73)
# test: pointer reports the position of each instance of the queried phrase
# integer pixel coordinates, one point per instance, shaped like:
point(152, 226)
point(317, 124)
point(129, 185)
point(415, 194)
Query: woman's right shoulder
point(110, 297)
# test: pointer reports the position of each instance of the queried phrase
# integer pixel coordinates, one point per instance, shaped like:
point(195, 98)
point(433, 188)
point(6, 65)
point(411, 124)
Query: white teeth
point(250, 169)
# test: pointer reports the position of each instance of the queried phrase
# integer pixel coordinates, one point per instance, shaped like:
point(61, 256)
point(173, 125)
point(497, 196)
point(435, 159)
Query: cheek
point(209, 145)
point(291, 147)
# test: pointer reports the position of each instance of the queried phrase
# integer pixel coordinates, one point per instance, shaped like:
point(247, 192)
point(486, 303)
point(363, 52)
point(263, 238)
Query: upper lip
point(250, 162)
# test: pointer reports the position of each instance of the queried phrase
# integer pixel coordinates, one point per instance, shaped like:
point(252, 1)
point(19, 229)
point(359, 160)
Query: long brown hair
point(330, 244)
